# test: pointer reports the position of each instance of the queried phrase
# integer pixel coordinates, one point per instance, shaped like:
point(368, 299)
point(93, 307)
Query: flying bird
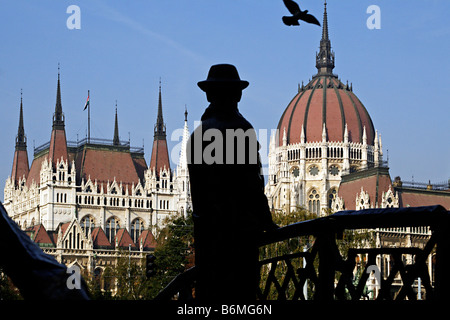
point(297, 15)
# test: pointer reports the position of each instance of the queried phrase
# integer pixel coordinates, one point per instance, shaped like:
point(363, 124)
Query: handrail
point(325, 251)
point(360, 219)
point(180, 285)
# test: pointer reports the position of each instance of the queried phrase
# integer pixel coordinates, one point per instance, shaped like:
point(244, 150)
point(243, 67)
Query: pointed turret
point(160, 152)
point(325, 57)
point(58, 142)
point(183, 153)
point(364, 136)
point(302, 135)
point(21, 140)
point(58, 116)
point(324, 133)
point(182, 169)
point(160, 127)
point(116, 140)
point(20, 167)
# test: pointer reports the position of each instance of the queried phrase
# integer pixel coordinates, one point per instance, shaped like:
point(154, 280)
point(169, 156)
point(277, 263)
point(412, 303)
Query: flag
point(87, 103)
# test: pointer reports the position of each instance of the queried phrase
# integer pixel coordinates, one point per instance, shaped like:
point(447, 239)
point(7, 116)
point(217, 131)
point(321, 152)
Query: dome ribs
point(312, 133)
point(366, 120)
point(360, 125)
point(283, 118)
point(290, 118)
point(341, 113)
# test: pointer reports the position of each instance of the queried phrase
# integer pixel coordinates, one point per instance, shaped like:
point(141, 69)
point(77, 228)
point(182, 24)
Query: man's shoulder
point(233, 121)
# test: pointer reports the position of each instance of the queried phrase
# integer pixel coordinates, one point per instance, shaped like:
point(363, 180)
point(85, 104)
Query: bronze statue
point(230, 208)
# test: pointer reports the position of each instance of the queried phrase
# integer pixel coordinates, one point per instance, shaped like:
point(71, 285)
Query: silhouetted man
point(229, 206)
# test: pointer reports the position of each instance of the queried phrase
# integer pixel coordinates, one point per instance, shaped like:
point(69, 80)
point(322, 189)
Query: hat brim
point(208, 84)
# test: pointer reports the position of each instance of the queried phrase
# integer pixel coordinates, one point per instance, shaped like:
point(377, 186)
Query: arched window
point(112, 226)
point(314, 201)
point(137, 227)
point(331, 196)
point(87, 224)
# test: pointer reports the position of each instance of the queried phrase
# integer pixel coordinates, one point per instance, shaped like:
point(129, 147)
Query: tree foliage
point(283, 249)
point(174, 251)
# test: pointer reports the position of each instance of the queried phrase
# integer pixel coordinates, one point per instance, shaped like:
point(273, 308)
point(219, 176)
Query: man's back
point(227, 179)
point(227, 189)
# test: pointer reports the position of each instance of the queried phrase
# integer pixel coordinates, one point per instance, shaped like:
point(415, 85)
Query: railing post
point(442, 275)
point(326, 248)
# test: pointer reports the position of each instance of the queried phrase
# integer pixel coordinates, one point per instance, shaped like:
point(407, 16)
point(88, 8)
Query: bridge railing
point(330, 273)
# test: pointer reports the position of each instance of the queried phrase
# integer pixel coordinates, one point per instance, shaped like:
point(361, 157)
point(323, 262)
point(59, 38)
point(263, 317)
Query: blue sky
point(399, 72)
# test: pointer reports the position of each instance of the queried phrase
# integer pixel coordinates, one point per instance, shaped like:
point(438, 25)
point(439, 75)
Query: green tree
point(174, 251)
point(348, 239)
point(174, 254)
point(283, 249)
point(130, 279)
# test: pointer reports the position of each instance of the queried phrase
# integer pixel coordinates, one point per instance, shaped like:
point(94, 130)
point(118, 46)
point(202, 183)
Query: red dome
point(327, 100)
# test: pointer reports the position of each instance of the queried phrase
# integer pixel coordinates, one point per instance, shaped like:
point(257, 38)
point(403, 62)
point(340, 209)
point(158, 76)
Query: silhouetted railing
point(330, 274)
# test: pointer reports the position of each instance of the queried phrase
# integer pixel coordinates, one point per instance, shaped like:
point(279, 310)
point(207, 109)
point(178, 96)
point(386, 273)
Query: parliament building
point(84, 201)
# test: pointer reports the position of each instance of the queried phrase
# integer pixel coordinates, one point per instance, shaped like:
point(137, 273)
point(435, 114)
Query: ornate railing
point(330, 273)
point(93, 141)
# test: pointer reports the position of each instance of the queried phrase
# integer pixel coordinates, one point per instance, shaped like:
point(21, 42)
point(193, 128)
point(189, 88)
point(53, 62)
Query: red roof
point(99, 238)
point(35, 170)
point(63, 227)
point(327, 100)
point(418, 198)
point(39, 235)
point(375, 182)
point(160, 155)
point(105, 164)
point(58, 146)
point(123, 239)
point(20, 165)
point(147, 238)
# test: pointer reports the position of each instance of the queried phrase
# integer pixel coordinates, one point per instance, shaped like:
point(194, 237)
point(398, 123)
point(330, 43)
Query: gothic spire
point(160, 127)
point(58, 143)
point(183, 153)
point(20, 166)
point(21, 141)
point(325, 57)
point(160, 154)
point(116, 140)
point(58, 116)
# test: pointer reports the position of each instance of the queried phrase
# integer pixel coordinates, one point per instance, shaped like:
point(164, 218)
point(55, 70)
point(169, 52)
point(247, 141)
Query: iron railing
point(93, 141)
point(330, 272)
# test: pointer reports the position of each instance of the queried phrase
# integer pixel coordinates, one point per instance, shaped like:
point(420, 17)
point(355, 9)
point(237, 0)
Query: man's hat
point(223, 74)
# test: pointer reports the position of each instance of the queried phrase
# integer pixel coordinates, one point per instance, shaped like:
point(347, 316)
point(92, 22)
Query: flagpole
point(89, 119)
